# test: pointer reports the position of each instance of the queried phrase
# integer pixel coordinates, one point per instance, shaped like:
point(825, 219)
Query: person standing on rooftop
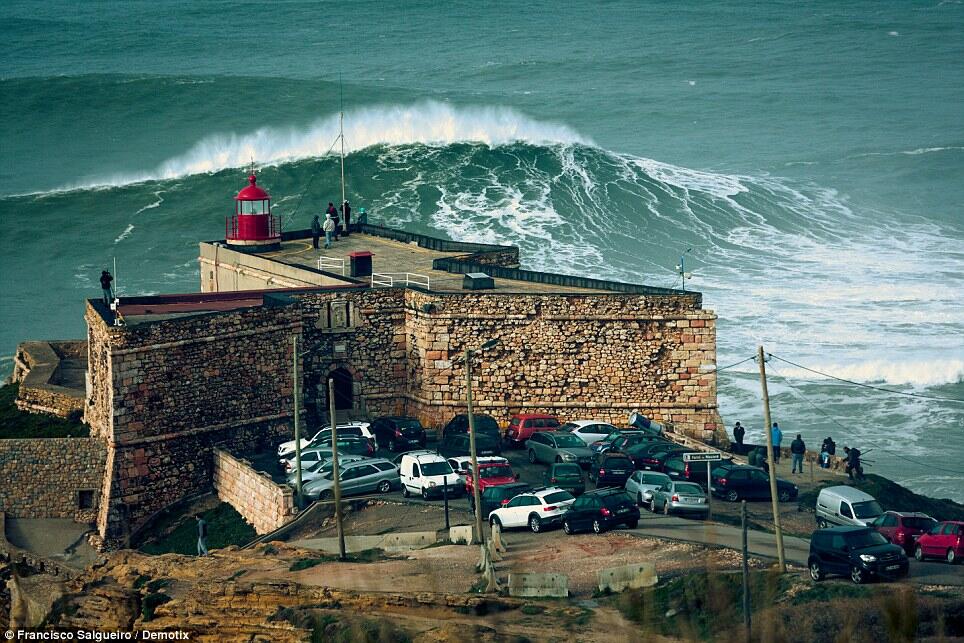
point(315, 232)
point(105, 281)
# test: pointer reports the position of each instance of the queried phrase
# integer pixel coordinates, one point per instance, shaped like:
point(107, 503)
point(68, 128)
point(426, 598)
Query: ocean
point(807, 160)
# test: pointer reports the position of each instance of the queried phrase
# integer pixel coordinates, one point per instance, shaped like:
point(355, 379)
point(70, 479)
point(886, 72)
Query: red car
point(521, 427)
point(491, 474)
point(945, 540)
point(903, 528)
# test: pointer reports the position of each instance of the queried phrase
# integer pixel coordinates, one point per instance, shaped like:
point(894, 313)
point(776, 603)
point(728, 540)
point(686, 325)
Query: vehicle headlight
point(431, 484)
point(568, 457)
point(868, 558)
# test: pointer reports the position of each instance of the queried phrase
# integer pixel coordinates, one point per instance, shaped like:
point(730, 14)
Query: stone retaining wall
point(44, 478)
point(39, 368)
point(262, 502)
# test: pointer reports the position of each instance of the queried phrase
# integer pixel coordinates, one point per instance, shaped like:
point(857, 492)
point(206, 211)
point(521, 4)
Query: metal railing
point(389, 279)
point(332, 264)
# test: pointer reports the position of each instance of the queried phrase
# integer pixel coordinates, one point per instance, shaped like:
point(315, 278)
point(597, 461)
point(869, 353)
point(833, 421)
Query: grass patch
point(225, 527)
point(364, 556)
point(830, 591)
point(15, 423)
point(892, 497)
point(328, 629)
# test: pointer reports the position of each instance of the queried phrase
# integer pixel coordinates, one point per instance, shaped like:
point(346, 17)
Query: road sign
point(701, 457)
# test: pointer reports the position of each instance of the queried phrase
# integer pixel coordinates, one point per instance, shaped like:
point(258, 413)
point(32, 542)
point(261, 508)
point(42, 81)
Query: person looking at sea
point(105, 281)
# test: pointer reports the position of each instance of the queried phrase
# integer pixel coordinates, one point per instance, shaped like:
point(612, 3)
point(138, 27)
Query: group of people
point(337, 223)
point(798, 448)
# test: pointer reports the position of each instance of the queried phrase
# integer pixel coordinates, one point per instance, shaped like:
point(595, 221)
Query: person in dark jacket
point(315, 232)
point(797, 449)
point(738, 433)
point(346, 212)
point(830, 446)
point(333, 213)
point(105, 281)
point(854, 470)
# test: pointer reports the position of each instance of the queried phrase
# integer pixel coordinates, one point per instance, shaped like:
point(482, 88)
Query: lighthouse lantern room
point(253, 228)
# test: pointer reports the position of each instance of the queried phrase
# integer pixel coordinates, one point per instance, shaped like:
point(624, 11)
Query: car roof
point(535, 416)
point(369, 461)
point(847, 493)
point(844, 530)
point(908, 514)
point(582, 423)
point(608, 491)
point(419, 456)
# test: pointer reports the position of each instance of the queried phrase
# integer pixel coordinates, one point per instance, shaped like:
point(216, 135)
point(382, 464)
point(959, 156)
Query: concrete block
point(539, 585)
point(616, 579)
point(461, 535)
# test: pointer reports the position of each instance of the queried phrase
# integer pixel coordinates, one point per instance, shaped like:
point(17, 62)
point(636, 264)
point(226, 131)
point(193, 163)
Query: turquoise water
point(810, 156)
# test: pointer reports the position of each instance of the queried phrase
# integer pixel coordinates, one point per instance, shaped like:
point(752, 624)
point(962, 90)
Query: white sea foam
point(917, 372)
point(126, 233)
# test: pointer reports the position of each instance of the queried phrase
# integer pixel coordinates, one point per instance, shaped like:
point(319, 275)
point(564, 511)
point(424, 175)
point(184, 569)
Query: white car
point(462, 464)
point(588, 431)
point(361, 429)
point(427, 474)
point(642, 484)
point(535, 509)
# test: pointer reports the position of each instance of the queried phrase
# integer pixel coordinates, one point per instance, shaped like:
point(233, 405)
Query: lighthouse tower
point(253, 228)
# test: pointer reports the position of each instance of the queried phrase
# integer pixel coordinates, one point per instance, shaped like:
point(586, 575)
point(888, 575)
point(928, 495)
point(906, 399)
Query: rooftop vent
point(477, 281)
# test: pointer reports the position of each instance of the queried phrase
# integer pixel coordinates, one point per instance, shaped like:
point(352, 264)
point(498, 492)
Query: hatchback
point(398, 433)
point(858, 552)
point(903, 528)
point(642, 484)
point(600, 510)
point(521, 427)
point(558, 447)
point(611, 469)
point(945, 540)
point(566, 476)
point(680, 498)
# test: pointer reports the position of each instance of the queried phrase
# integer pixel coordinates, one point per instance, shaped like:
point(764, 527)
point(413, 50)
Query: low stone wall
point(47, 377)
point(262, 502)
point(52, 477)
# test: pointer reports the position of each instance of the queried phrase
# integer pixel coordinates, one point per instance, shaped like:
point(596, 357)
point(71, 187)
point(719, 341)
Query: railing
point(332, 264)
point(252, 226)
point(389, 279)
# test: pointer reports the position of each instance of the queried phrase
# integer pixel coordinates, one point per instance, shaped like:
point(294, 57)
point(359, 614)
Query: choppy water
point(812, 157)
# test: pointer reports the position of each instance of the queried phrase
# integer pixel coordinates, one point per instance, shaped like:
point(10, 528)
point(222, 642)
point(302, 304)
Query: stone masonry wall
point(262, 502)
point(43, 478)
point(37, 368)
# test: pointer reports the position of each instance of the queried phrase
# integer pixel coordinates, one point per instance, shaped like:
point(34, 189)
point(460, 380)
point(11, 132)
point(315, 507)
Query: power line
point(870, 386)
point(742, 361)
point(819, 410)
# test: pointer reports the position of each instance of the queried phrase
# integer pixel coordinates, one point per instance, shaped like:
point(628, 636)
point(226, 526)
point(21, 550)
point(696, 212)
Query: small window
point(845, 510)
point(384, 466)
point(518, 501)
point(949, 529)
point(837, 542)
point(890, 520)
point(514, 422)
point(415, 471)
point(85, 499)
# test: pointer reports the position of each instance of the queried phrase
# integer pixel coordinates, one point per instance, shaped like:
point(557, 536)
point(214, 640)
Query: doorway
point(344, 393)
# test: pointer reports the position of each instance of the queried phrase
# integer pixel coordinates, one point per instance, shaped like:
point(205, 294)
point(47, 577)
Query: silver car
point(366, 476)
point(680, 497)
point(552, 446)
point(642, 484)
point(320, 468)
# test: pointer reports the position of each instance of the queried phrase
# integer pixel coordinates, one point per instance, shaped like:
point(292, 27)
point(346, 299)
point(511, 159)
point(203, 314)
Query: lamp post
point(475, 461)
point(294, 351)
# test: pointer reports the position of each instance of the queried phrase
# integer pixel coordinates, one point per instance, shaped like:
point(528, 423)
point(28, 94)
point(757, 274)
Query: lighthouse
point(252, 228)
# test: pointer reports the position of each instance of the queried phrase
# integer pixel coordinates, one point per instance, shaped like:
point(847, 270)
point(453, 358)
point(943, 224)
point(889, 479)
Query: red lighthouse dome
point(252, 227)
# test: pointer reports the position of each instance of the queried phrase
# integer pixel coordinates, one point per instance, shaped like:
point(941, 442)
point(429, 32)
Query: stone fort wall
point(261, 501)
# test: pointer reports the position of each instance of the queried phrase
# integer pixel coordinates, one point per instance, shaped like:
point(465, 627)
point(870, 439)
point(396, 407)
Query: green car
point(566, 476)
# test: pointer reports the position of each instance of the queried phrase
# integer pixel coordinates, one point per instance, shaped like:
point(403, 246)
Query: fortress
point(385, 313)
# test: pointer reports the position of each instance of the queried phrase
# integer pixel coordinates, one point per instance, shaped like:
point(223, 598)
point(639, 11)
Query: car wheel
point(558, 459)
point(597, 527)
point(652, 505)
point(857, 575)
point(951, 557)
point(384, 486)
point(821, 523)
point(816, 573)
point(392, 445)
point(535, 524)
point(532, 456)
point(632, 525)
point(424, 493)
point(919, 553)
point(326, 495)
point(405, 493)
point(732, 495)
point(665, 508)
point(566, 527)
point(784, 496)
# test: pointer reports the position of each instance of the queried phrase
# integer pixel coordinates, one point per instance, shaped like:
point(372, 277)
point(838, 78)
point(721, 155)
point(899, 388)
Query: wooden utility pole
point(774, 500)
point(297, 394)
point(475, 460)
point(334, 468)
point(746, 575)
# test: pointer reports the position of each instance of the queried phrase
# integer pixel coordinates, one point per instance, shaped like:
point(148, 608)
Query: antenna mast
point(341, 135)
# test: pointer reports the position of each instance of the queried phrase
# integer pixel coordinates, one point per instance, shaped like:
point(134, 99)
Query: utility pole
point(294, 352)
point(475, 460)
point(334, 468)
point(746, 575)
point(774, 500)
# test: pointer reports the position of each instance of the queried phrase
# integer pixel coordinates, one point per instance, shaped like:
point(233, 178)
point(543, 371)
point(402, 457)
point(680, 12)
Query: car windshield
point(486, 424)
point(408, 424)
point(568, 427)
point(693, 489)
point(863, 539)
point(626, 463)
point(569, 440)
point(919, 522)
point(495, 472)
point(558, 496)
point(568, 470)
point(868, 509)
point(654, 478)
point(436, 469)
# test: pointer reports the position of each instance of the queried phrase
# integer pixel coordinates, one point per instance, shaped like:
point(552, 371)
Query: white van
point(845, 506)
point(426, 473)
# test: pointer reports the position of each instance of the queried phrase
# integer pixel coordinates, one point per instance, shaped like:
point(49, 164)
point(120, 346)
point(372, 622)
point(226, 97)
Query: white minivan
point(846, 506)
point(426, 473)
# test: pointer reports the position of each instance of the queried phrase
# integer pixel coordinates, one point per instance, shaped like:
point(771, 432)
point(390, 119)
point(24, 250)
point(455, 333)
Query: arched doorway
point(344, 393)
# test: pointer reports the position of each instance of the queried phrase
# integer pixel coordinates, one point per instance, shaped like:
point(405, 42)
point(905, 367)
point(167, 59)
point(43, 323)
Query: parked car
point(462, 464)
point(397, 433)
point(484, 424)
point(521, 427)
point(348, 446)
point(843, 505)
point(566, 476)
point(349, 428)
point(678, 469)
point(623, 439)
point(606, 443)
point(903, 528)
point(319, 468)
point(356, 478)
point(456, 444)
point(308, 458)
point(650, 456)
point(536, 509)
point(494, 497)
point(680, 498)
point(944, 540)
point(611, 469)
point(734, 482)
point(858, 552)
point(491, 474)
point(427, 474)
point(588, 431)
point(642, 484)
point(558, 447)
point(600, 510)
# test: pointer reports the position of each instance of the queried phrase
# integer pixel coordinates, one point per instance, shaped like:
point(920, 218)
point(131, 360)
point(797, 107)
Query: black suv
point(456, 444)
point(491, 498)
point(600, 510)
point(611, 469)
point(398, 433)
point(859, 552)
point(483, 424)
